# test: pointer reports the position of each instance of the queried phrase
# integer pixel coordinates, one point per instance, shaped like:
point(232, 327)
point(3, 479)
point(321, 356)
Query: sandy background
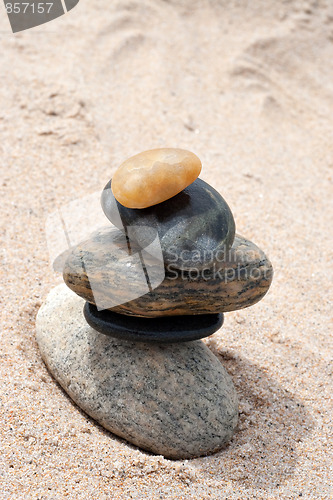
point(248, 86)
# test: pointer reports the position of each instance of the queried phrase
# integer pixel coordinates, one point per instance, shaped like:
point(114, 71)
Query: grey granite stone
point(192, 225)
point(175, 400)
point(97, 272)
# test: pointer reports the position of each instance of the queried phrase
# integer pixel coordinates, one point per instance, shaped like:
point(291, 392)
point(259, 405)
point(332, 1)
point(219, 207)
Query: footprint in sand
point(197, 63)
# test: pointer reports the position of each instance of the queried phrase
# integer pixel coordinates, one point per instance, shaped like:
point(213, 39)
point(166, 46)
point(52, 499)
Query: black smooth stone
point(161, 330)
point(193, 227)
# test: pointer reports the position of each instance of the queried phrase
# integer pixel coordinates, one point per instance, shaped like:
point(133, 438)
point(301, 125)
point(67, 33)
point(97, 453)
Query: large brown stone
point(103, 272)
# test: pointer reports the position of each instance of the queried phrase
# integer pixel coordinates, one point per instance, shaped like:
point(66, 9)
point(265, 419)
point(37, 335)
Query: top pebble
point(154, 176)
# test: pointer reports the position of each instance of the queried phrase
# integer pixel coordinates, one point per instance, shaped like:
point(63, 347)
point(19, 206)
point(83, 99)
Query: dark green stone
point(192, 227)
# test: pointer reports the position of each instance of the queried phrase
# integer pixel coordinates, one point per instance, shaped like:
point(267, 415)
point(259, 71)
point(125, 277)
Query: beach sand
point(248, 87)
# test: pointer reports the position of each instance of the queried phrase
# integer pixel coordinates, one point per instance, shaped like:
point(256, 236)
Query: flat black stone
point(167, 329)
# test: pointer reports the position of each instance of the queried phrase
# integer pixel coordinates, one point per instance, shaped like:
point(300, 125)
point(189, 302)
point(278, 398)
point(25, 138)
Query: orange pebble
point(154, 176)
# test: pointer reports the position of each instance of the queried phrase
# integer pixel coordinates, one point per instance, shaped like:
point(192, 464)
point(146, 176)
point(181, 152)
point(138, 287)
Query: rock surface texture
point(167, 329)
point(175, 400)
point(154, 176)
point(192, 226)
point(94, 271)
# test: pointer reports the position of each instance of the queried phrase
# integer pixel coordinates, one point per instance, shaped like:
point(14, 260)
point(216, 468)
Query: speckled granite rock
point(191, 226)
point(175, 400)
point(94, 266)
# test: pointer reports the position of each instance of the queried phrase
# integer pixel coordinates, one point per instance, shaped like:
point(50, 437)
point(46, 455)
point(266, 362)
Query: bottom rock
point(174, 400)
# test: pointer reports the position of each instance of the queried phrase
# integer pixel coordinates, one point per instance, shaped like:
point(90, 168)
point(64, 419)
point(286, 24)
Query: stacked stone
point(206, 269)
point(179, 233)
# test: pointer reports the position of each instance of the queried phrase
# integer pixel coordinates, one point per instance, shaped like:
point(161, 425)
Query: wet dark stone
point(192, 226)
point(163, 329)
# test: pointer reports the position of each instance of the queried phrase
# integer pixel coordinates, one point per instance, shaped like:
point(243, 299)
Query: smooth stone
point(96, 273)
point(190, 226)
point(153, 176)
point(174, 400)
point(162, 330)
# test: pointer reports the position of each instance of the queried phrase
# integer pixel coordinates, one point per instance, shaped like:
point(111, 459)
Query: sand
point(248, 87)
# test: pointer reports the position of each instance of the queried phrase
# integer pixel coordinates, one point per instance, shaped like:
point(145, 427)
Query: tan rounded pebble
point(154, 176)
